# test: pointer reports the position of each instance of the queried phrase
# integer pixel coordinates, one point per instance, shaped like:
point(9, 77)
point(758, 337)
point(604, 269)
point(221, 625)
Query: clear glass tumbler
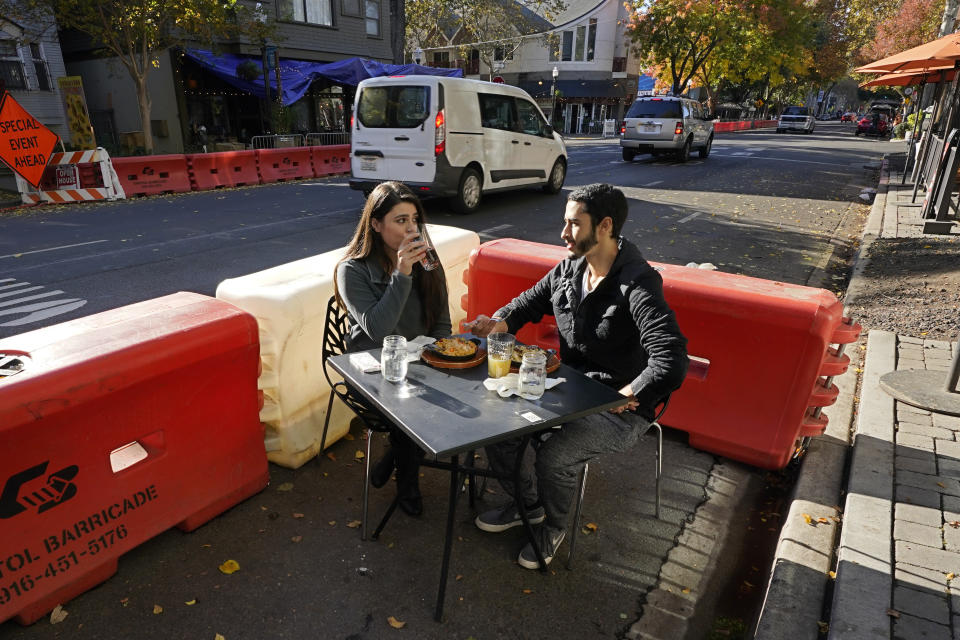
point(393, 359)
point(533, 375)
point(499, 354)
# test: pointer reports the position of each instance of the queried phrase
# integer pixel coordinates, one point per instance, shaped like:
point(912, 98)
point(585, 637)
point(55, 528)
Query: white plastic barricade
point(289, 302)
point(73, 191)
point(609, 128)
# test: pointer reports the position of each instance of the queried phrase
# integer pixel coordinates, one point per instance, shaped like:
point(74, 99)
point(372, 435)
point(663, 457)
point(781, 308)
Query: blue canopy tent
point(296, 75)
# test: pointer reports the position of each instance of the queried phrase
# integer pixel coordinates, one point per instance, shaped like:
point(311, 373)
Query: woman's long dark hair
point(431, 285)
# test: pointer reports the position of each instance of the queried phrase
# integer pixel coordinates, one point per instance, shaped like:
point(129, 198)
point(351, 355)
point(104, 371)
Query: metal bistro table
point(449, 412)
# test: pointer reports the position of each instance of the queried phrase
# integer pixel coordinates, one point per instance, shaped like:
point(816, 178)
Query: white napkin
point(509, 384)
point(415, 347)
point(368, 364)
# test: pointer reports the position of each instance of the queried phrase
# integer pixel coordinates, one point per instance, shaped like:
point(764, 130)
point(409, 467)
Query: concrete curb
point(798, 581)
point(864, 586)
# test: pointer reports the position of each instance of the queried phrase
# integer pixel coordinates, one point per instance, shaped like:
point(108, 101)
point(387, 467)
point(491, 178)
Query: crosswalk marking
point(29, 309)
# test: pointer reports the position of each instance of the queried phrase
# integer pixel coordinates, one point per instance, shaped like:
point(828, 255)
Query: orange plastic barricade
point(223, 169)
point(119, 426)
point(761, 354)
point(150, 175)
point(279, 165)
point(331, 160)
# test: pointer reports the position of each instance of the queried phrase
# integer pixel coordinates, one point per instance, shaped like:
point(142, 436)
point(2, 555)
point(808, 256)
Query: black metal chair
point(335, 332)
point(583, 480)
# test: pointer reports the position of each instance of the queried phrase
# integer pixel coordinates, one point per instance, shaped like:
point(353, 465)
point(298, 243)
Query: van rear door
point(394, 135)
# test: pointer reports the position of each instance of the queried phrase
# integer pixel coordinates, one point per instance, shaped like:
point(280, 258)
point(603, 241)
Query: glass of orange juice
point(499, 354)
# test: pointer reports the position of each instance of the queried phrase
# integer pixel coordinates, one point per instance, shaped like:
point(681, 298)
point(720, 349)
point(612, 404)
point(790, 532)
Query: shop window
point(502, 53)
point(591, 38)
point(40, 68)
point(11, 68)
point(581, 41)
point(566, 49)
point(373, 17)
point(441, 59)
point(309, 11)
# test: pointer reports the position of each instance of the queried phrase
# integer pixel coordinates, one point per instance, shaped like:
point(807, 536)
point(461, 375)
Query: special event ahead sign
point(25, 144)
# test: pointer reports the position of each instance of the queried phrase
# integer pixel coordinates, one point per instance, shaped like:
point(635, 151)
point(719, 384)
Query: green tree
point(137, 31)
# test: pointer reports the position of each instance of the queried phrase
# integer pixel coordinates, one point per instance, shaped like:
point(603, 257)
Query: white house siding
point(108, 85)
point(45, 106)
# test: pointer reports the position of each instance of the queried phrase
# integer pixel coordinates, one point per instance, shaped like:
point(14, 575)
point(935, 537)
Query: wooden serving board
point(440, 362)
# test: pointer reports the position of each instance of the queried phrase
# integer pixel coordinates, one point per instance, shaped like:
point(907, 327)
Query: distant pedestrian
point(202, 137)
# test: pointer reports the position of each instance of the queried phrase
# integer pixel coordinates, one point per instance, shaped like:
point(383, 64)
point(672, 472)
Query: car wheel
point(629, 155)
point(705, 152)
point(468, 193)
point(684, 153)
point(557, 176)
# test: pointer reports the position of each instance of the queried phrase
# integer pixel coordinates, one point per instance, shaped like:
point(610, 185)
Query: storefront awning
point(296, 75)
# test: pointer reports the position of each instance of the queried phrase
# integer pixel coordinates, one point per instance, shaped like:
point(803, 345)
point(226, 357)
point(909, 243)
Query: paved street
point(766, 205)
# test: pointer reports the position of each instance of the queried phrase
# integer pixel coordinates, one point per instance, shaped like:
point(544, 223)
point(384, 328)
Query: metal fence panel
point(277, 141)
point(325, 139)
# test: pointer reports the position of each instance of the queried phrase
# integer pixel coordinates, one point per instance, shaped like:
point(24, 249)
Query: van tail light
point(623, 129)
point(351, 121)
point(679, 128)
point(440, 135)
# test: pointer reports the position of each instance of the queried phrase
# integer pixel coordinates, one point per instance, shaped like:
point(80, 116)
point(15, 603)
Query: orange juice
point(496, 367)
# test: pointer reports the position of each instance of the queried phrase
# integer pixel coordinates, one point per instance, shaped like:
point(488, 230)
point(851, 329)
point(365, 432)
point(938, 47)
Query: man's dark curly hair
point(602, 200)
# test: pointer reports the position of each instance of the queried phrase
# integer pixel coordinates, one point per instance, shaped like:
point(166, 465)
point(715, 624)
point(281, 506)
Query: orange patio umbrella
point(941, 53)
point(908, 78)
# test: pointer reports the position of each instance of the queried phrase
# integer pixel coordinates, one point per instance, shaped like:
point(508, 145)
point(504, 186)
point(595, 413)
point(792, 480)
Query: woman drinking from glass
point(382, 284)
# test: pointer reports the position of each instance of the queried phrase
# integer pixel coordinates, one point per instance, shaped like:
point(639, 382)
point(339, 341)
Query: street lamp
point(417, 55)
point(553, 96)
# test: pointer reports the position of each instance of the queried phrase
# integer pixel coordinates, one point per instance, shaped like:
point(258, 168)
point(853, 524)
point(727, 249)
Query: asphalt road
point(763, 204)
point(766, 205)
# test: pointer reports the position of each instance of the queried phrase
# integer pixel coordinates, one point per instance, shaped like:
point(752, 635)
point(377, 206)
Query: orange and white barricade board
point(76, 191)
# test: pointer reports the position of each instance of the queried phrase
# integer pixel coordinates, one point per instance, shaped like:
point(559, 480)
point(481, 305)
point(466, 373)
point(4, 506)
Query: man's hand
point(483, 326)
point(631, 401)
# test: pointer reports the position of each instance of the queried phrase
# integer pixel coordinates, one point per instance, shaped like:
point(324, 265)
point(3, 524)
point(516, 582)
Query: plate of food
point(455, 352)
point(553, 362)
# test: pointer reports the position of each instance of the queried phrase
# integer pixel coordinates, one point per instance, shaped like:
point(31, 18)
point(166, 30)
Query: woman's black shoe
point(410, 501)
point(381, 472)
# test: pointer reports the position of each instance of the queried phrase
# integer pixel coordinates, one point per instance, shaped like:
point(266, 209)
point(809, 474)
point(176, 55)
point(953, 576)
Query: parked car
point(796, 119)
point(452, 137)
point(849, 116)
point(874, 124)
point(666, 125)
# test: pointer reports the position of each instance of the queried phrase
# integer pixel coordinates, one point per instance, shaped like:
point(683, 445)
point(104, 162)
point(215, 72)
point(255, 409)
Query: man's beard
point(581, 247)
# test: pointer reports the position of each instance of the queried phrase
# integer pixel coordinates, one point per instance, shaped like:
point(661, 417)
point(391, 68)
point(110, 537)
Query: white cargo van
point(452, 137)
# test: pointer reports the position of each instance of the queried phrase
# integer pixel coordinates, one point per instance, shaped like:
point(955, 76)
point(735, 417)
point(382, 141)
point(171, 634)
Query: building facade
point(596, 73)
point(186, 96)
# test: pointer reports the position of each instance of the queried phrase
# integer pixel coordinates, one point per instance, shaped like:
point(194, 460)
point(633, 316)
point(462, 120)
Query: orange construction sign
point(25, 143)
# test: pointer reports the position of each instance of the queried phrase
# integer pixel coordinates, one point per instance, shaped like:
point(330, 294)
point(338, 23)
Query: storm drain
point(12, 364)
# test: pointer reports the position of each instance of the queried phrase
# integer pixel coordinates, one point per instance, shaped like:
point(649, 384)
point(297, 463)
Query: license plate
point(650, 128)
point(368, 163)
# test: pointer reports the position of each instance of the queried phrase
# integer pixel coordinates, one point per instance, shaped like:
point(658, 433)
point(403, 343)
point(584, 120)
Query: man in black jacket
point(615, 327)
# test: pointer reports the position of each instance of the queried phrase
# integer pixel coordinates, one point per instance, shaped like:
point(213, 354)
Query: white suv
point(796, 119)
point(666, 125)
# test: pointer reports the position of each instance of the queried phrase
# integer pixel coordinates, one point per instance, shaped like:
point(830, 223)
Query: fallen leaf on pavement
point(218, 637)
point(353, 524)
point(332, 456)
point(823, 521)
point(157, 609)
point(951, 575)
point(358, 455)
point(955, 524)
point(286, 486)
point(332, 523)
point(348, 436)
point(824, 626)
point(125, 601)
point(230, 566)
point(592, 526)
point(832, 574)
point(685, 590)
point(296, 538)
point(58, 615)
point(459, 576)
point(941, 485)
point(190, 603)
point(297, 515)
point(527, 591)
point(893, 613)
point(807, 518)
point(396, 624)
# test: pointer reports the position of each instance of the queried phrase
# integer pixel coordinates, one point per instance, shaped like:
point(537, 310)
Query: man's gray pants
point(561, 456)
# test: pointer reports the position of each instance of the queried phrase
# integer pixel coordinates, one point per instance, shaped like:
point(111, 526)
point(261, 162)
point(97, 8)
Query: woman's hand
point(411, 250)
point(483, 326)
point(631, 401)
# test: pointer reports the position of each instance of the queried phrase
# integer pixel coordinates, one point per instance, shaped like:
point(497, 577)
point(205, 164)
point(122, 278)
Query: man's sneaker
point(508, 516)
point(549, 540)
